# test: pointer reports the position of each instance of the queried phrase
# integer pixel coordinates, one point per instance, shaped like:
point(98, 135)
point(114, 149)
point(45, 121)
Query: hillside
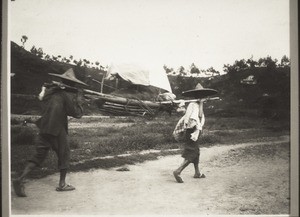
point(268, 96)
point(271, 91)
point(30, 71)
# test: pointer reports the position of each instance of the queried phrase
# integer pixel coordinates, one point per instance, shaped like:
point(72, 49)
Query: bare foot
point(198, 175)
point(67, 187)
point(177, 177)
point(19, 188)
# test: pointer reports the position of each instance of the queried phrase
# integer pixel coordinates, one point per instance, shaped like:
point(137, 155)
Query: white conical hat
point(199, 92)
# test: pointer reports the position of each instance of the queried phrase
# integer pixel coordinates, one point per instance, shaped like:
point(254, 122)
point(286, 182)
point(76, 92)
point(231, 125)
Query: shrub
point(14, 121)
point(22, 135)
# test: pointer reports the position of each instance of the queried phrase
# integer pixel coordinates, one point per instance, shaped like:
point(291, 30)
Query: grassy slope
point(31, 71)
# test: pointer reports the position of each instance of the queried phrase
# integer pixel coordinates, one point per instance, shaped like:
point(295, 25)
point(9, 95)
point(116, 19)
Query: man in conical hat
point(53, 127)
point(190, 126)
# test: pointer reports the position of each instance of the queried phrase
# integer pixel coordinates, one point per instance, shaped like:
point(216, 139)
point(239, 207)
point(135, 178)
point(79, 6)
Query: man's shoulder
point(55, 97)
point(63, 94)
point(57, 94)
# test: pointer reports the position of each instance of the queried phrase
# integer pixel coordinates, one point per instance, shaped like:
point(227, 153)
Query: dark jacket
point(59, 104)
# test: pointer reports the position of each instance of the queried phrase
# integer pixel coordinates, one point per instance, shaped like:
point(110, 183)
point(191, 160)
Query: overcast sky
point(154, 32)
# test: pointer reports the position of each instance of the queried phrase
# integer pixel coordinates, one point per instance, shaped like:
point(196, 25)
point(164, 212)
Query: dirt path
point(241, 179)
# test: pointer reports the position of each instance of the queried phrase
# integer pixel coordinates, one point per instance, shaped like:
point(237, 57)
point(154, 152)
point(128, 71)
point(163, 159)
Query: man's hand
point(199, 127)
point(195, 135)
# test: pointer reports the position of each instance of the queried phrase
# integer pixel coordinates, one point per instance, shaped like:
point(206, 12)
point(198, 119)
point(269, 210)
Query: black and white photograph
point(162, 107)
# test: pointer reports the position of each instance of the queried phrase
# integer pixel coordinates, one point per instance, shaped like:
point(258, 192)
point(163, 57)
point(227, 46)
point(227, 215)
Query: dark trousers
point(59, 144)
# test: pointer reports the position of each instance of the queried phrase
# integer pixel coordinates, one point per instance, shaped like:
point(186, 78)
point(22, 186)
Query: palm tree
point(23, 40)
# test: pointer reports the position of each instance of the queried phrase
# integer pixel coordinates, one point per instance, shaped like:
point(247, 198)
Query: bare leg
point(62, 178)
point(18, 183)
point(63, 186)
point(197, 171)
point(177, 172)
point(29, 167)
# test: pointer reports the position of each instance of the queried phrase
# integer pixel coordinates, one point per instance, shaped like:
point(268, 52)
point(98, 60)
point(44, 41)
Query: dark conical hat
point(199, 92)
point(70, 76)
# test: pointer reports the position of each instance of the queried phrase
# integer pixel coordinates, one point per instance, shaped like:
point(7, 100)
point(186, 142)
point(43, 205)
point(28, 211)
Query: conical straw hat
point(199, 92)
point(70, 76)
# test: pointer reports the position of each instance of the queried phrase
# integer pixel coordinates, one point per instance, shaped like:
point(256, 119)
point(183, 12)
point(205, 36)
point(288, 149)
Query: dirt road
point(241, 179)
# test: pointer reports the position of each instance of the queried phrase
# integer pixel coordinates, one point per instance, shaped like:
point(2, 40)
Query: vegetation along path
point(248, 178)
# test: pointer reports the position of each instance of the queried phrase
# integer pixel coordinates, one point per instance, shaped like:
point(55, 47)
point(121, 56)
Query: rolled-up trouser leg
point(43, 144)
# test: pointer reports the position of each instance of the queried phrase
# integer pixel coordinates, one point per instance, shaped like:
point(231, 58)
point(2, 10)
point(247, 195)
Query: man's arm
point(202, 121)
point(74, 104)
point(188, 113)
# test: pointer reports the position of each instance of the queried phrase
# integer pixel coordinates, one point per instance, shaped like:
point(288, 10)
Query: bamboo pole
point(123, 109)
point(127, 102)
point(122, 100)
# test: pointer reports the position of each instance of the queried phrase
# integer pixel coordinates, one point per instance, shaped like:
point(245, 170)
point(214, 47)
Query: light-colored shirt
point(194, 116)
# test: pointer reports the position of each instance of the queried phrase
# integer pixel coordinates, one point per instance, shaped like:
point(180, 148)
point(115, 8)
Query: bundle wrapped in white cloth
point(191, 119)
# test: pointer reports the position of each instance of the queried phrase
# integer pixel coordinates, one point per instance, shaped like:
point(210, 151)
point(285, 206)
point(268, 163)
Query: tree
point(40, 52)
point(228, 68)
point(212, 72)
point(79, 63)
point(238, 66)
point(23, 40)
point(285, 61)
point(86, 61)
point(251, 63)
point(54, 58)
point(168, 70)
point(47, 57)
point(33, 50)
point(181, 71)
point(268, 62)
point(194, 69)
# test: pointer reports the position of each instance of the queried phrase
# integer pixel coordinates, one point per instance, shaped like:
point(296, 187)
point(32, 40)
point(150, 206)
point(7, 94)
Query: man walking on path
point(61, 100)
point(190, 127)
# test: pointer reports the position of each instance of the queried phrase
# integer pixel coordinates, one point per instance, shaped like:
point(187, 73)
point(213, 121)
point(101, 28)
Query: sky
point(153, 33)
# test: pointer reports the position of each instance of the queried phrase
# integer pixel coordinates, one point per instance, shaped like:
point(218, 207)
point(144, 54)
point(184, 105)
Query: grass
point(141, 134)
